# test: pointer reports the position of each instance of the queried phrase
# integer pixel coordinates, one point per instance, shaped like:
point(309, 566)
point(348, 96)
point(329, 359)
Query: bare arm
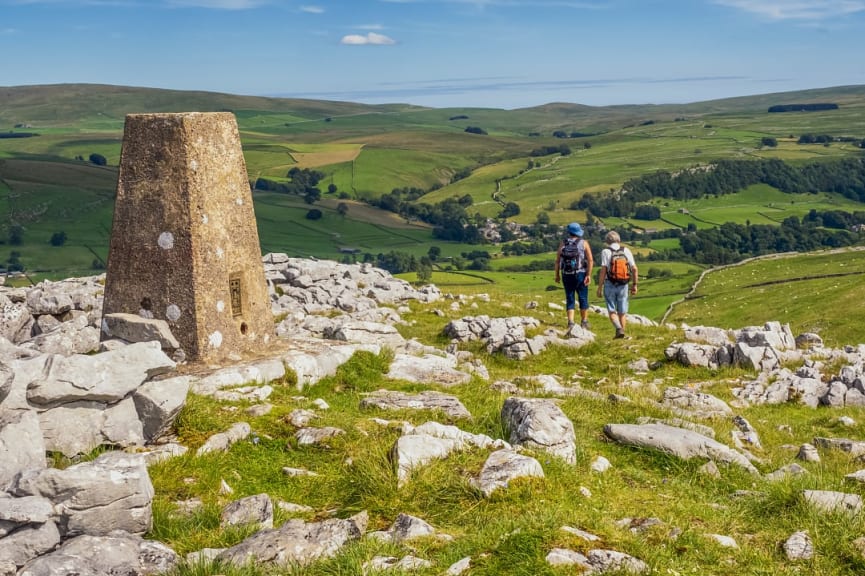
point(559, 263)
point(590, 263)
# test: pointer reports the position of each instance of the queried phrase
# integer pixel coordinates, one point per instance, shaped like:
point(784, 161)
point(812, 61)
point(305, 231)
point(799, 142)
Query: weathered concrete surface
point(184, 246)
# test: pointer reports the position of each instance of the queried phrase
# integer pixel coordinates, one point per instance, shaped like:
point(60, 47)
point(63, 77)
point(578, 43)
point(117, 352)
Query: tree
point(509, 209)
point(98, 159)
point(13, 264)
point(58, 238)
point(768, 142)
point(342, 209)
point(16, 234)
point(434, 253)
point(424, 270)
point(543, 218)
point(314, 214)
point(312, 195)
point(647, 212)
point(331, 188)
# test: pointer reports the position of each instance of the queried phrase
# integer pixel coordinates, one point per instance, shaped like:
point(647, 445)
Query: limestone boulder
point(685, 444)
point(158, 402)
point(14, 316)
point(112, 492)
point(428, 369)
point(296, 542)
point(540, 424)
point(106, 377)
point(118, 554)
point(22, 445)
point(134, 328)
point(504, 466)
point(28, 542)
point(426, 400)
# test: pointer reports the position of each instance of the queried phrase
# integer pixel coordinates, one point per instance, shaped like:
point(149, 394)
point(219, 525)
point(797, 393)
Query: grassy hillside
point(648, 504)
point(819, 293)
point(366, 151)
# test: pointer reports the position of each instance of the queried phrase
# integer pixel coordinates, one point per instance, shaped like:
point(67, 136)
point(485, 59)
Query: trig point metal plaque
point(184, 244)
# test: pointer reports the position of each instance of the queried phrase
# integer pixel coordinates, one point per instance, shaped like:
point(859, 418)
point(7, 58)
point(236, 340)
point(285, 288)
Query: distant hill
point(72, 102)
point(75, 102)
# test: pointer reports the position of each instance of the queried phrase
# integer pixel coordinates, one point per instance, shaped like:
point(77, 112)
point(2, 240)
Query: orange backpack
point(619, 270)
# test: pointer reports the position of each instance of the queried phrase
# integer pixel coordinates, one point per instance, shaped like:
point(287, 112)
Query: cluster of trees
point(11, 134)
point(563, 134)
point(476, 130)
point(846, 177)
point(304, 182)
point(803, 107)
point(733, 242)
point(825, 139)
point(449, 218)
point(564, 150)
point(837, 219)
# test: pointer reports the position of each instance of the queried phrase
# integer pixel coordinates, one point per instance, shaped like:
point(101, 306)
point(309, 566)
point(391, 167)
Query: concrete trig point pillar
point(184, 244)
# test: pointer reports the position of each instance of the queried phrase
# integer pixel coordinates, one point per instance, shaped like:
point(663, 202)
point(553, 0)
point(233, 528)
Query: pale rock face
point(504, 466)
point(541, 424)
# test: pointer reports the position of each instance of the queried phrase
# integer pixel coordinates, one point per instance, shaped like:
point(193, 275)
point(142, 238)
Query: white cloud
point(797, 9)
point(369, 27)
point(369, 38)
point(312, 9)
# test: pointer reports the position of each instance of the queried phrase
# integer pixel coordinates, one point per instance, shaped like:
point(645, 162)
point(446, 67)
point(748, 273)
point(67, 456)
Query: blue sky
point(440, 53)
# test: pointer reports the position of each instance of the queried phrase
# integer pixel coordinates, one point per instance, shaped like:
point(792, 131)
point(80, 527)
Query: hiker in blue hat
point(574, 264)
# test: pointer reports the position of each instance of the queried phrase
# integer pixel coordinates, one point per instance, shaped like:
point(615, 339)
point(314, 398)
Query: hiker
point(574, 264)
point(617, 270)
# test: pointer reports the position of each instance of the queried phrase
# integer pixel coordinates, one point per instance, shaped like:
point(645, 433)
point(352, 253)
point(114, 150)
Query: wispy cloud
point(369, 38)
point(369, 27)
point(208, 4)
point(511, 3)
point(312, 9)
point(797, 9)
point(460, 86)
point(219, 4)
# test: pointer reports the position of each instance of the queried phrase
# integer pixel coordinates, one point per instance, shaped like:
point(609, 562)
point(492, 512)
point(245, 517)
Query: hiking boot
point(619, 334)
point(584, 324)
point(570, 324)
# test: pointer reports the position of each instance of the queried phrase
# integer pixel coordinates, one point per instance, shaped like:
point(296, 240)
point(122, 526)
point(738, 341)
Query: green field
point(819, 293)
point(366, 151)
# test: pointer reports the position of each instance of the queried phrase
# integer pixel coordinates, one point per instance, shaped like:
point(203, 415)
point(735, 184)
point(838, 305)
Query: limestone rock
point(256, 509)
point(830, 501)
point(222, 441)
point(106, 377)
point(22, 446)
point(503, 466)
point(799, 546)
point(426, 400)
point(296, 542)
point(134, 328)
point(113, 492)
point(158, 403)
point(684, 444)
point(540, 424)
point(427, 369)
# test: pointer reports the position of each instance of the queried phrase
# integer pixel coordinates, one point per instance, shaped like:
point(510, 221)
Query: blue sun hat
point(575, 229)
